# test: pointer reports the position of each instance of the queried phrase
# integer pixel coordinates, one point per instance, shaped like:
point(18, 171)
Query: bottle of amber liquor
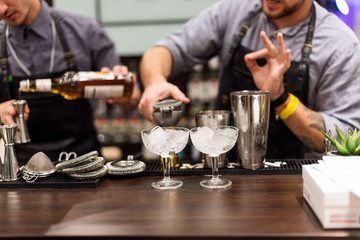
point(83, 84)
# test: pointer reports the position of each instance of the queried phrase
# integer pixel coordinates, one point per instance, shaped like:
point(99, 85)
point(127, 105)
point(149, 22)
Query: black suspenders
point(69, 57)
point(305, 52)
point(5, 90)
point(238, 38)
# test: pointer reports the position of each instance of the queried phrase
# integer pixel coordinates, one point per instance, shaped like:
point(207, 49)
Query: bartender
point(305, 56)
point(40, 42)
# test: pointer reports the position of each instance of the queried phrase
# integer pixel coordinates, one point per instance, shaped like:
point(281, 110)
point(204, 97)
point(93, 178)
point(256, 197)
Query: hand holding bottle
point(126, 104)
point(117, 70)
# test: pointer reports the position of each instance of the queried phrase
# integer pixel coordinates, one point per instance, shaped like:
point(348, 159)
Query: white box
point(335, 206)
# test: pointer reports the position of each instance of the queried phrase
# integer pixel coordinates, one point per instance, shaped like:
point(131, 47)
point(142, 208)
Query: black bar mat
point(56, 180)
point(59, 180)
point(291, 166)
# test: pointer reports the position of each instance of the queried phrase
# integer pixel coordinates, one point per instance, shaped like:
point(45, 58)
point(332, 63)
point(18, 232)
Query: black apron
point(282, 143)
point(55, 124)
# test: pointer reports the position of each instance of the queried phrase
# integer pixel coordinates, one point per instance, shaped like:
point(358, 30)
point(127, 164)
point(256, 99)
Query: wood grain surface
point(254, 207)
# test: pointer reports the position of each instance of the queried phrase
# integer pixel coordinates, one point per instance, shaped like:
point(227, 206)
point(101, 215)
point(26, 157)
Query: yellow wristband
point(290, 107)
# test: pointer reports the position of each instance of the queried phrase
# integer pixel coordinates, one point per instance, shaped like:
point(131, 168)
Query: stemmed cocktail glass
point(214, 142)
point(165, 142)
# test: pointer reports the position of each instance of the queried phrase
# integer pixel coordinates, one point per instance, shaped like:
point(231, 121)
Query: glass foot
point(216, 183)
point(167, 184)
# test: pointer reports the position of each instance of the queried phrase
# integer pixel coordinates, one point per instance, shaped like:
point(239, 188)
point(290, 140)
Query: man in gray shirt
point(305, 56)
point(310, 65)
point(40, 42)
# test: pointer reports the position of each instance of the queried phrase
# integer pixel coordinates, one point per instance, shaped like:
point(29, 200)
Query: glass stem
point(166, 166)
point(215, 165)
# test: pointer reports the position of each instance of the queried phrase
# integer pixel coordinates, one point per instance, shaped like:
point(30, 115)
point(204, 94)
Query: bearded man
point(306, 57)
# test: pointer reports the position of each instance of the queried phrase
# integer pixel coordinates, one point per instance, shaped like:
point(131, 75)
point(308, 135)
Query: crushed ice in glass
point(214, 142)
point(166, 142)
point(157, 136)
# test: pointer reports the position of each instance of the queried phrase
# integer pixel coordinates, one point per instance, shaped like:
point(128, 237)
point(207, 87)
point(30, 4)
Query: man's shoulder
point(232, 12)
point(240, 6)
point(333, 40)
point(332, 27)
point(71, 18)
point(240, 3)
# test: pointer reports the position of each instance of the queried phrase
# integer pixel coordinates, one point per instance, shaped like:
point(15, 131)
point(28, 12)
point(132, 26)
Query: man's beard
point(287, 11)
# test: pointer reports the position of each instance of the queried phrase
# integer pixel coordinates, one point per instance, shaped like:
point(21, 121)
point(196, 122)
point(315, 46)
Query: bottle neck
point(40, 85)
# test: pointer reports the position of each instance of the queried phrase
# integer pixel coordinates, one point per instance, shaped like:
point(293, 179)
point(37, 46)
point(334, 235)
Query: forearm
point(306, 125)
point(155, 68)
point(155, 65)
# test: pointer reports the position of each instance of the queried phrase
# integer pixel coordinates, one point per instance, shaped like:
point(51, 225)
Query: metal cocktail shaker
point(168, 112)
point(22, 134)
point(11, 167)
point(251, 116)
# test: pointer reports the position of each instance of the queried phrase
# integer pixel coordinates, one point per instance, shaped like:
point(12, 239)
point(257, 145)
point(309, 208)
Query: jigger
point(11, 167)
point(22, 134)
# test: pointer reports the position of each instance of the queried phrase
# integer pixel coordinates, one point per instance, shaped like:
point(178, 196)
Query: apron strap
point(237, 38)
point(69, 57)
point(305, 54)
point(6, 78)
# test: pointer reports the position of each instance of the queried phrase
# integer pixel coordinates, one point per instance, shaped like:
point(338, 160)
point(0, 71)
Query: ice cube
point(205, 133)
point(228, 131)
point(219, 141)
point(201, 137)
point(181, 140)
point(171, 139)
point(157, 136)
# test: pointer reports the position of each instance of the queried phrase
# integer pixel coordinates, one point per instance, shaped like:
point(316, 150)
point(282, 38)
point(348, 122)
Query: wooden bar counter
point(255, 207)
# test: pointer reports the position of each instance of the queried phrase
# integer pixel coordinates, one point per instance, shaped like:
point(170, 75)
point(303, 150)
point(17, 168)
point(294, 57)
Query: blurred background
point(134, 26)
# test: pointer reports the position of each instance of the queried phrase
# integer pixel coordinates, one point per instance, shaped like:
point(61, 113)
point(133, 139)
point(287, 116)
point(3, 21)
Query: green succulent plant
point(349, 143)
